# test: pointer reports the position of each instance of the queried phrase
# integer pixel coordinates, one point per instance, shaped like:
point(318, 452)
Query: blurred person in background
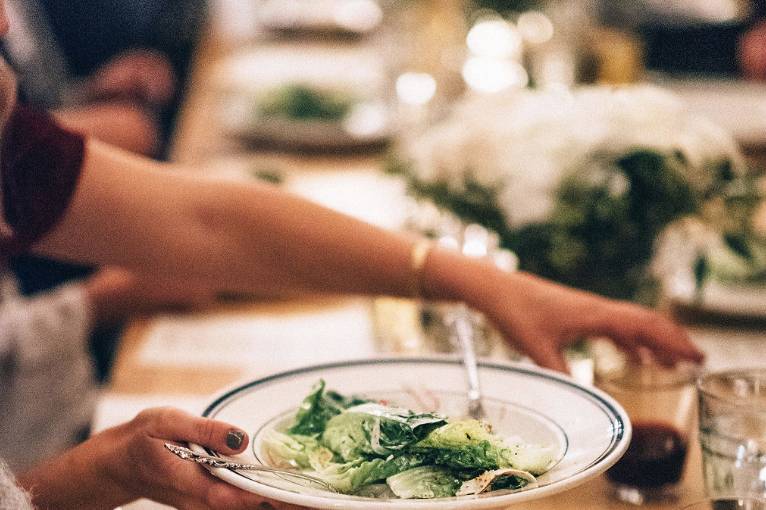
point(132, 52)
point(127, 98)
point(120, 100)
point(93, 32)
point(48, 398)
point(112, 70)
point(718, 38)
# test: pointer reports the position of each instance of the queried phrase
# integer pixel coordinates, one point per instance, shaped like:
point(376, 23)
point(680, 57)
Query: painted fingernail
point(234, 439)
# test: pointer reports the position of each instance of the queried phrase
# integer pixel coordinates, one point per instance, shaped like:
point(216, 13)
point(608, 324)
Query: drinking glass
point(732, 422)
point(728, 504)
point(660, 403)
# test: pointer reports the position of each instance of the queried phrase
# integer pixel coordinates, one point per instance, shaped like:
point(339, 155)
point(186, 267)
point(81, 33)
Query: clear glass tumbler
point(732, 421)
point(660, 404)
point(728, 504)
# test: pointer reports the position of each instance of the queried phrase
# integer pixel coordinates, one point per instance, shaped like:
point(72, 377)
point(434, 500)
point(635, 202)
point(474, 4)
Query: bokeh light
point(486, 74)
point(415, 88)
point(494, 38)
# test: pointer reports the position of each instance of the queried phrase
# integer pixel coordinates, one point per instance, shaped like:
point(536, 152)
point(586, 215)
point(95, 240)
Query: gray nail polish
point(234, 439)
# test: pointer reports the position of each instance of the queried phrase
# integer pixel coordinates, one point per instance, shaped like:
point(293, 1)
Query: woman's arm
point(141, 215)
point(130, 212)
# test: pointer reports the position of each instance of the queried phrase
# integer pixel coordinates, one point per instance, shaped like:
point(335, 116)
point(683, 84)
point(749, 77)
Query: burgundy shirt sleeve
point(40, 164)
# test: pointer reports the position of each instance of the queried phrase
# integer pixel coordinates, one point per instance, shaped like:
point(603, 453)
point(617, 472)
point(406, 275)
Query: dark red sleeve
point(40, 164)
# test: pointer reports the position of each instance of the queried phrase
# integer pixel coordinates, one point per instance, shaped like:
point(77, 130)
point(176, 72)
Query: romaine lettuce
point(470, 444)
point(360, 446)
point(424, 482)
point(297, 450)
point(317, 408)
point(374, 429)
point(350, 476)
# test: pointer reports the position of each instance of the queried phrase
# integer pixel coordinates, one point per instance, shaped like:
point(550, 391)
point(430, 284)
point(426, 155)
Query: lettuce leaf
point(470, 444)
point(376, 430)
point(296, 450)
point(350, 476)
point(317, 409)
point(424, 482)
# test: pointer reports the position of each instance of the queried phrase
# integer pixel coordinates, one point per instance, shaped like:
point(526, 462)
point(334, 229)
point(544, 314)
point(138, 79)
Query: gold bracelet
point(418, 256)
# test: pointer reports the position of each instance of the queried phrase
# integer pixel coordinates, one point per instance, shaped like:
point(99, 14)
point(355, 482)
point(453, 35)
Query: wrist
point(449, 276)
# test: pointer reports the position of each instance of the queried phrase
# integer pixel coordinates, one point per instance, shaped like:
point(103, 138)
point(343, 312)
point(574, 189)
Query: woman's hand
point(541, 318)
point(129, 461)
point(116, 294)
point(143, 75)
point(751, 52)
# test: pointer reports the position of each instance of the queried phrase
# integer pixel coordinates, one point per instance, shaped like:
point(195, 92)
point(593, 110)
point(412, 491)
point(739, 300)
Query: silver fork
point(217, 462)
point(463, 332)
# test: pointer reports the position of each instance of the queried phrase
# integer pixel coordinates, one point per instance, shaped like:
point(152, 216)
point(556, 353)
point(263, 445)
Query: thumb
point(175, 425)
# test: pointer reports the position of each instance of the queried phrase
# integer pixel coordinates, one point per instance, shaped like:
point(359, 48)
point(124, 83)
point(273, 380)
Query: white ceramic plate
point(367, 127)
point(587, 429)
point(321, 17)
point(726, 300)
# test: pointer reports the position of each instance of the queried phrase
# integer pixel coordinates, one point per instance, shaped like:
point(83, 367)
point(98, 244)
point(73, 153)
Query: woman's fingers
point(173, 424)
point(632, 326)
point(670, 343)
point(543, 350)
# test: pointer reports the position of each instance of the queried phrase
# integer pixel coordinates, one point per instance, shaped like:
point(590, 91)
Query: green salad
point(370, 448)
point(301, 102)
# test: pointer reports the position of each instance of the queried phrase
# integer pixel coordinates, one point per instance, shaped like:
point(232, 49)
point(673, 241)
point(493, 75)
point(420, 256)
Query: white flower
point(525, 142)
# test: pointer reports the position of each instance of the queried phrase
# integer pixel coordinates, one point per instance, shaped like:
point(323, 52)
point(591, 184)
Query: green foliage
point(506, 6)
point(476, 204)
point(607, 216)
point(738, 243)
point(602, 239)
point(301, 102)
point(701, 271)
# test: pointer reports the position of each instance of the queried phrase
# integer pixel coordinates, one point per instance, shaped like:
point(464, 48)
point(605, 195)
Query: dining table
point(183, 358)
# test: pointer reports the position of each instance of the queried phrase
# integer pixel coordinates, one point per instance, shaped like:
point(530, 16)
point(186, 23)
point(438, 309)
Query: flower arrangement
point(585, 185)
